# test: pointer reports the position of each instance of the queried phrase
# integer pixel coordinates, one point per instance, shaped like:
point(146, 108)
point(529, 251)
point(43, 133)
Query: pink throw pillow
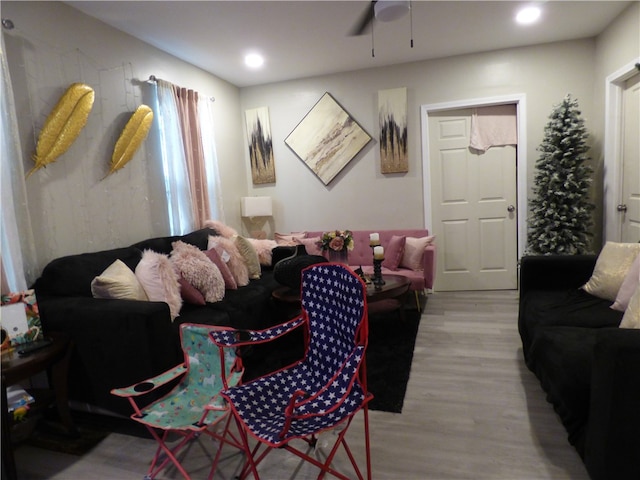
point(393, 252)
point(263, 248)
point(229, 280)
point(413, 256)
point(311, 245)
point(229, 253)
point(160, 280)
point(189, 293)
point(288, 239)
point(628, 287)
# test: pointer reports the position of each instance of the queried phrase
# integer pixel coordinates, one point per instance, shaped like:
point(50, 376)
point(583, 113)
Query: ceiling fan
point(382, 10)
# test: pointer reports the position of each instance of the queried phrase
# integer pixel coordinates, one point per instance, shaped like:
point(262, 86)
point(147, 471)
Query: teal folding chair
point(193, 406)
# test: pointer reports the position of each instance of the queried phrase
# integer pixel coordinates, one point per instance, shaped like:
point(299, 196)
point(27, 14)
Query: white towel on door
point(493, 126)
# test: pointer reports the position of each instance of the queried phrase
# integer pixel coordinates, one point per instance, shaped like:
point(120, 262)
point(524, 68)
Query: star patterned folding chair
point(193, 406)
point(323, 390)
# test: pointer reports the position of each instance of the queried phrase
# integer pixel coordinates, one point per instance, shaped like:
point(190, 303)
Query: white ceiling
point(309, 38)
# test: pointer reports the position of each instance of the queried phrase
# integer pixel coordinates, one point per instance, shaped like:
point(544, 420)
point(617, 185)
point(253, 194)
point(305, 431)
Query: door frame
point(520, 100)
point(612, 182)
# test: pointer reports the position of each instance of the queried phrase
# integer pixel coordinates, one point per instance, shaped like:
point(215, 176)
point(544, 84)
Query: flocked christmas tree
point(560, 213)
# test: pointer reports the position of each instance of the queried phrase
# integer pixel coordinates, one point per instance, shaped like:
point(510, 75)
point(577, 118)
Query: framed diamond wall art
point(327, 138)
point(263, 168)
point(392, 117)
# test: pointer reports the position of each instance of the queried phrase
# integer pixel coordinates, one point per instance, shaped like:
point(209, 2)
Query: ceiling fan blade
point(362, 25)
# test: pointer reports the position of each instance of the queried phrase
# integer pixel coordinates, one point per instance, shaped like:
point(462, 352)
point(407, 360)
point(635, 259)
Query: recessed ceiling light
point(254, 60)
point(528, 15)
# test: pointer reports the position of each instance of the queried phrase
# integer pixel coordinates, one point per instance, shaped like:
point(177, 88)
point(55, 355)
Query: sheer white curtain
point(171, 151)
point(205, 110)
point(18, 251)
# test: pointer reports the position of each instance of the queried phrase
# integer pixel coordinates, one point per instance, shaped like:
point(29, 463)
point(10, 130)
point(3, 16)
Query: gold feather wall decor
point(133, 134)
point(63, 125)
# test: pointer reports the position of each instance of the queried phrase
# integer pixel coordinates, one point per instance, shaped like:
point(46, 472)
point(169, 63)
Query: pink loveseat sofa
point(408, 252)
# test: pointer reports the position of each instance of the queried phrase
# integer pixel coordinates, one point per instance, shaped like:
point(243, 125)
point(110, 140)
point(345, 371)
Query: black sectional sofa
point(587, 365)
point(120, 342)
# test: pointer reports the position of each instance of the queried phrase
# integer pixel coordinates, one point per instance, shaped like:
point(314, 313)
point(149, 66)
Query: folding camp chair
point(193, 406)
point(323, 390)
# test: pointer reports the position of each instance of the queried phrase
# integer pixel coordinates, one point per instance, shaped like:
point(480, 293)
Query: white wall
point(360, 196)
point(73, 209)
point(617, 48)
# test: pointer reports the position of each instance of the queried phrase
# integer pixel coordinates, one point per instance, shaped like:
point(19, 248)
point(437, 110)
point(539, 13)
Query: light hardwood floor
point(472, 411)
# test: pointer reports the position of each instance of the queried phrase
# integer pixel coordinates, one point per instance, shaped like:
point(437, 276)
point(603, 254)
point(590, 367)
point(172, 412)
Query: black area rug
point(389, 357)
point(50, 436)
point(92, 429)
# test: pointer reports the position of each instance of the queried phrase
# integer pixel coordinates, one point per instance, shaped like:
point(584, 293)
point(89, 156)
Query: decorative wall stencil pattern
point(327, 138)
point(71, 210)
point(392, 116)
point(260, 145)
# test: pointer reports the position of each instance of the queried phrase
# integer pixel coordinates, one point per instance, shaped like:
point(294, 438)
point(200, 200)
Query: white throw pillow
point(611, 268)
point(118, 282)
point(631, 318)
point(628, 287)
point(249, 255)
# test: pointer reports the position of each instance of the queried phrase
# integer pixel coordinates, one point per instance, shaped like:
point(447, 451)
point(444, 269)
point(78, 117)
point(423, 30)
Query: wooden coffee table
point(390, 296)
point(384, 298)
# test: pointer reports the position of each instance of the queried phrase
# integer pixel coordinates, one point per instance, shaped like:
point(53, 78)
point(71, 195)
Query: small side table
point(54, 359)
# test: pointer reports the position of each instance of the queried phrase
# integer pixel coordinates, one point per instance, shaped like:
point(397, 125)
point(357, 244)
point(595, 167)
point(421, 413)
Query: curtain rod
point(153, 80)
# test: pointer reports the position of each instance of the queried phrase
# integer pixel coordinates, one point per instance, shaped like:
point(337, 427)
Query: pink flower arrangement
point(337, 240)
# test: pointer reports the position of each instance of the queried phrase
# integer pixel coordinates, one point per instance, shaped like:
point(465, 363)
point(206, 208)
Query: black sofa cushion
point(588, 366)
point(119, 342)
point(612, 449)
point(116, 343)
point(199, 238)
point(573, 307)
point(563, 358)
point(72, 275)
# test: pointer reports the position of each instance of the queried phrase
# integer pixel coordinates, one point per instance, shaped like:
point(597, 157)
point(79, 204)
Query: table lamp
point(256, 209)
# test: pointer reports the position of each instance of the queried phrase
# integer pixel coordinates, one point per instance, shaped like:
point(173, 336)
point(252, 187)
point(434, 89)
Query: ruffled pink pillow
point(196, 268)
point(224, 230)
point(229, 253)
point(160, 280)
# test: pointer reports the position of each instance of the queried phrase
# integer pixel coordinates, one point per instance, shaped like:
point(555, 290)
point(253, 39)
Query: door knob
point(622, 207)
point(511, 208)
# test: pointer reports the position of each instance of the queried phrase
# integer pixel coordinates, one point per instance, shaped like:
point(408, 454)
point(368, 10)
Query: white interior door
point(473, 198)
point(629, 207)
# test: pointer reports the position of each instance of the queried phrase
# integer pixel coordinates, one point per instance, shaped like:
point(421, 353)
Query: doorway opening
point(519, 100)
